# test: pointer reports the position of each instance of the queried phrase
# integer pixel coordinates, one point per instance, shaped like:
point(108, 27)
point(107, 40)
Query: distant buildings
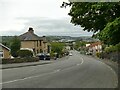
point(4, 51)
point(95, 47)
point(31, 41)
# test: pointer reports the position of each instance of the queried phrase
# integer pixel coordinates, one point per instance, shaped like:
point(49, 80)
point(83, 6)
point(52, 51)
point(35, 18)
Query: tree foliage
point(112, 48)
point(15, 46)
point(97, 17)
point(57, 47)
point(79, 44)
point(111, 33)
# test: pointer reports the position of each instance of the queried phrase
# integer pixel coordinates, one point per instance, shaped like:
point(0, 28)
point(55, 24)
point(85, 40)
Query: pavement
point(76, 71)
point(41, 62)
point(17, 65)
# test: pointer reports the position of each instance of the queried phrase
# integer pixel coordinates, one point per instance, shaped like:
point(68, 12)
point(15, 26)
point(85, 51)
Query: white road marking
point(78, 64)
point(26, 78)
point(113, 72)
point(81, 62)
point(57, 70)
point(36, 75)
point(30, 77)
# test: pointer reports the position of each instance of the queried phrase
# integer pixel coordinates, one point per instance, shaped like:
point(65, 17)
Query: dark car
point(47, 57)
point(41, 56)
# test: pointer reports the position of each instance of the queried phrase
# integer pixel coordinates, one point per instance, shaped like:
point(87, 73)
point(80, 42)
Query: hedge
point(20, 60)
point(25, 53)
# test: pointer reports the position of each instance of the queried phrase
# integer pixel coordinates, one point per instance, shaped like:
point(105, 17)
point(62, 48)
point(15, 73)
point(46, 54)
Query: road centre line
point(30, 77)
point(81, 62)
point(37, 75)
point(57, 70)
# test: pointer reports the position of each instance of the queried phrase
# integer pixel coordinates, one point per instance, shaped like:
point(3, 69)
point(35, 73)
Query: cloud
point(49, 26)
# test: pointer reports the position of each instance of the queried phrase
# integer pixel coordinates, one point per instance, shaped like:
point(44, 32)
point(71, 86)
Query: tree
point(79, 44)
point(95, 16)
point(57, 47)
point(111, 33)
point(15, 46)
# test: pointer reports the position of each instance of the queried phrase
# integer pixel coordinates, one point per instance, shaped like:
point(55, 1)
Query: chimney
point(31, 30)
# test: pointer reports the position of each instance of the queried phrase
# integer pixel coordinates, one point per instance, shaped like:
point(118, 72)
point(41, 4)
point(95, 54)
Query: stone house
point(31, 41)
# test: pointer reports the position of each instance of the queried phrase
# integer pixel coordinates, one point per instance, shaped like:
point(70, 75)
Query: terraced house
point(31, 41)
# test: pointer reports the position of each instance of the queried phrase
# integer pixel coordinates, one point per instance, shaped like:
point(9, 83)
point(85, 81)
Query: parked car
point(43, 56)
point(47, 57)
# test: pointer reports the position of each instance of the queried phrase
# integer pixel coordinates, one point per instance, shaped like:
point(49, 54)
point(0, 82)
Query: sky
point(44, 16)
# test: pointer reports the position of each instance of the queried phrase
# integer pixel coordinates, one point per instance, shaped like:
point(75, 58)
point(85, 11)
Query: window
point(37, 51)
point(40, 43)
point(37, 43)
point(41, 51)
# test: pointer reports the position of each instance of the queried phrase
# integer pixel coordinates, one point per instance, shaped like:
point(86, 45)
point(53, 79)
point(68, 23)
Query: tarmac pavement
point(40, 62)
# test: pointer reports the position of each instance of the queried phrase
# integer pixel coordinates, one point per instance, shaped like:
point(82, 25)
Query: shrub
point(118, 47)
point(25, 53)
point(15, 46)
point(98, 54)
point(110, 49)
point(20, 60)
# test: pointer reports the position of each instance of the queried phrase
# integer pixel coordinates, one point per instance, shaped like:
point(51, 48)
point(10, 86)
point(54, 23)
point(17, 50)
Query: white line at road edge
point(81, 62)
point(116, 85)
point(57, 70)
point(37, 75)
point(30, 77)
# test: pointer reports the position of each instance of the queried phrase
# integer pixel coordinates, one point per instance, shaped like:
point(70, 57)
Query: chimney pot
point(31, 30)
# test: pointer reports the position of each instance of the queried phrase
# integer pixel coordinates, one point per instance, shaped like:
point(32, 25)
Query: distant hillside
point(6, 40)
point(82, 38)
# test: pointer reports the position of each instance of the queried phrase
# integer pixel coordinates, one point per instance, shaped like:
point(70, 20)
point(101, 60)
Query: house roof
point(4, 46)
point(95, 44)
point(29, 36)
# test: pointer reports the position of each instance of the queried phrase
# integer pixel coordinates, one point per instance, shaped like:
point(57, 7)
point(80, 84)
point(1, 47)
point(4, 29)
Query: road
point(77, 71)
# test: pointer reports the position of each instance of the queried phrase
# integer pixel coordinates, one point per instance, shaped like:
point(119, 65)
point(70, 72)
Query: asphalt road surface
point(77, 71)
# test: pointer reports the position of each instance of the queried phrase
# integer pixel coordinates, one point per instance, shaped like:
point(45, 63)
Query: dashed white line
point(78, 64)
point(81, 62)
point(57, 70)
point(30, 77)
point(36, 75)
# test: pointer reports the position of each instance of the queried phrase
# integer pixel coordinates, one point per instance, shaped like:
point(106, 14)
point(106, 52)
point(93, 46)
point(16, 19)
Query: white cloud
point(45, 16)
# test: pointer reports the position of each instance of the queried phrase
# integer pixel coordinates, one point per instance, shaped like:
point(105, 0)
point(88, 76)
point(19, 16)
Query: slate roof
point(28, 36)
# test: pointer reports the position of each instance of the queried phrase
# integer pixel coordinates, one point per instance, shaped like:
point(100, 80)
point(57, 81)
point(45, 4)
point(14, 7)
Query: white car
point(70, 54)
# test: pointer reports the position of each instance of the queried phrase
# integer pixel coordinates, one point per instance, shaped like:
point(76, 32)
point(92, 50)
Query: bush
point(20, 60)
point(98, 54)
point(25, 53)
point(118, 47)
point(110, 49)
point(15, 46)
